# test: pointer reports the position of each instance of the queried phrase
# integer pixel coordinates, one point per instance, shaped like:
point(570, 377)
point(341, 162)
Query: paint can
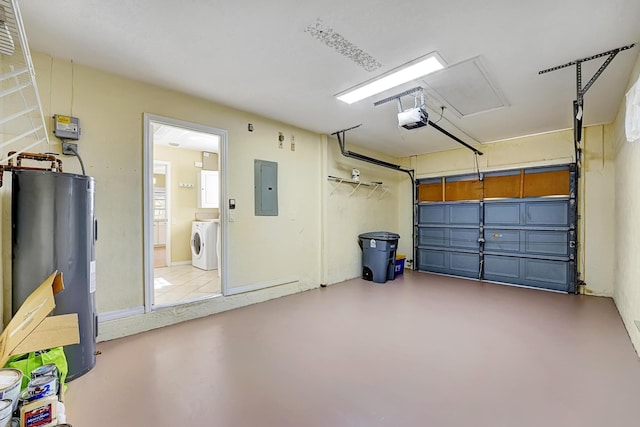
point(355, 175)
point(40, 387)
point(6, 409)
point(10, 383)
point(49, 369)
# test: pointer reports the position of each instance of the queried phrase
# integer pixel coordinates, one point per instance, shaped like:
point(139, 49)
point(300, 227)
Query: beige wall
point(596, 188)
point(262, 250)
point(350, 213)
point(275, 249)
point(627, 224)
point(277, 255)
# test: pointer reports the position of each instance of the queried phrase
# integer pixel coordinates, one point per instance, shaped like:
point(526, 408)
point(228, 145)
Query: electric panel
point(66, 127)
point(266, 188)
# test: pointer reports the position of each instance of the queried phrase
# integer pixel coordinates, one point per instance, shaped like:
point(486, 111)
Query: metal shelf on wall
point(373, 185)
point(22, 123)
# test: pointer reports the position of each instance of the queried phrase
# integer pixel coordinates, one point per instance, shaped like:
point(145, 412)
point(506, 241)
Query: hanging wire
point(441, 114)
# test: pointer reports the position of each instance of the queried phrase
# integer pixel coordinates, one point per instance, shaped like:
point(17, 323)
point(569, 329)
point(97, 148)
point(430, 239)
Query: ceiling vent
point(465, 88)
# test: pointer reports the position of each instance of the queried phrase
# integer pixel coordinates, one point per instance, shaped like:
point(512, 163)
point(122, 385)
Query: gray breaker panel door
point(448, 238)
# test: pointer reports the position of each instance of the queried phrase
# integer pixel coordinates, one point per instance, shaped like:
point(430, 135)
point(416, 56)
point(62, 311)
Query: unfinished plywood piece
point(516, 184)
point(430, 192)
point(502, 186)
point(553, 183)
point(463, 190)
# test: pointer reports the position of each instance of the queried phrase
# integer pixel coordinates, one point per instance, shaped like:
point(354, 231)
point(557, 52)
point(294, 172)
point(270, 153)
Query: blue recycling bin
point(378, 255)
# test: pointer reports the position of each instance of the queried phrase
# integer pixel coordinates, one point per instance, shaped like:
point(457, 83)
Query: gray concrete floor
point(422, 350)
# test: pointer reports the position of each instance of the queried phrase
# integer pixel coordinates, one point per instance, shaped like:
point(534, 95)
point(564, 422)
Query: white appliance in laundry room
point(204, 243)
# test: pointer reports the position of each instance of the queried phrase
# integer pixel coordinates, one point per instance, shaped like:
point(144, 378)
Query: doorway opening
point(184, 238)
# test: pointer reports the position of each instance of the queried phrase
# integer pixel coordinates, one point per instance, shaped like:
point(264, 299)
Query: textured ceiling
point(287, 59)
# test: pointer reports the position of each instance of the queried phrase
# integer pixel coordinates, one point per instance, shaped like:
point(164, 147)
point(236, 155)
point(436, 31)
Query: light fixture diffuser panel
point(466, 88)
point(410, 71)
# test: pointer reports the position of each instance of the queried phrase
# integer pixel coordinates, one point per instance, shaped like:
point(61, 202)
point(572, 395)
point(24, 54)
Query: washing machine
point(204, 236)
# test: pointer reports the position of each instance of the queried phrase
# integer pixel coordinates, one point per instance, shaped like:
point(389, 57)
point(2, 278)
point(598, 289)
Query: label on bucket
point(372, 243)
point(41, 413)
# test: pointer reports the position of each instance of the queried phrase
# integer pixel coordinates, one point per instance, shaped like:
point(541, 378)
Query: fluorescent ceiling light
point(411, 71)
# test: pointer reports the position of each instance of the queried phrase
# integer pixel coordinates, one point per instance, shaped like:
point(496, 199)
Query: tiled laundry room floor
point(184, 283)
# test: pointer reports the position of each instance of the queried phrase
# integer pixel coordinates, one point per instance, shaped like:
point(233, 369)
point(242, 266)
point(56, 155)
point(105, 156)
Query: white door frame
point(167, 200)
point(148, 200)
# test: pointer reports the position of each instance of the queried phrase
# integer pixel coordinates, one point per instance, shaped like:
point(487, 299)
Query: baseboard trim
point(257, 286)
point(120, 314)
point(173, 264)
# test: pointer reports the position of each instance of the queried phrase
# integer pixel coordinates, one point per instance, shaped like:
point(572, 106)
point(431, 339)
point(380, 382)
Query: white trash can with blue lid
point(378, 255)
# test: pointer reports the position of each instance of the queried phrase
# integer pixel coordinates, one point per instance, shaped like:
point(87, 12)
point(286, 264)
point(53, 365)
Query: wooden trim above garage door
point(518, 184)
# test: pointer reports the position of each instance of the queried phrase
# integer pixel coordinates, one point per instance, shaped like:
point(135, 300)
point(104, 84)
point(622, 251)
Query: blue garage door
point(528, 241)
point(448, 238)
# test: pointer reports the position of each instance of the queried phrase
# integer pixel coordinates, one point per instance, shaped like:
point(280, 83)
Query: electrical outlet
point(69, 148)
point(293, 143)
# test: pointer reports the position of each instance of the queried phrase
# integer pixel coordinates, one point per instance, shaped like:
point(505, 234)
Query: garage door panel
point(429, 236)
point(501, 268)
point(502, 213)
point(502, 240)
point(431, 260)
point(448, 262)
point(444, 237)
point(546, 242)
point(547, 213)
point(539, 271)
point(433, 214)
point(464, 264)
point(527, 242)
point(464, 214)
point(533, 272)
point(464, 238)
point(540, 213)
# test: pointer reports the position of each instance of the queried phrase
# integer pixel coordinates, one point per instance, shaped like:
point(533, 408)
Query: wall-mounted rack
point(357, 184)
point(22, 125)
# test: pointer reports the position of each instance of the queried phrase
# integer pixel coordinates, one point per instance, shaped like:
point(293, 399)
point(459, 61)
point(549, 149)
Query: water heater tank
point(54, 228)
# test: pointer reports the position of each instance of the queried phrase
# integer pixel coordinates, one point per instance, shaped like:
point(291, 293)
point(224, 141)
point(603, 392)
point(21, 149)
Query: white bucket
point(6, 409)
point(10, 383)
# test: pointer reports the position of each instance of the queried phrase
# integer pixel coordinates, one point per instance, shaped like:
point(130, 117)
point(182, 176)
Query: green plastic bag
point(30, 361)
